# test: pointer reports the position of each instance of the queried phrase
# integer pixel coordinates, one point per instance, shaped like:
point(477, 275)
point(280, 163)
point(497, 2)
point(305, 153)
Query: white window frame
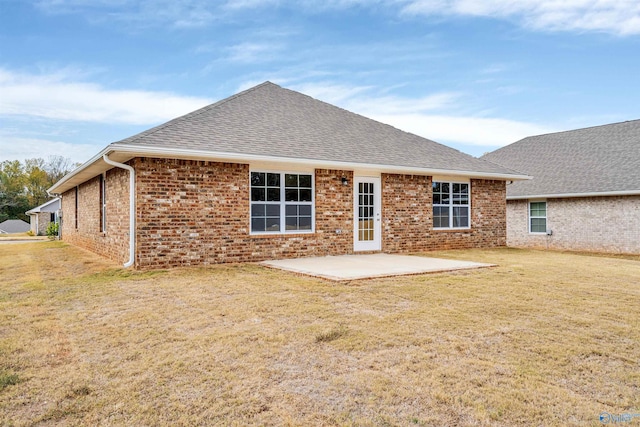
point(545, 217)
point(451, 205)
point(283, 203)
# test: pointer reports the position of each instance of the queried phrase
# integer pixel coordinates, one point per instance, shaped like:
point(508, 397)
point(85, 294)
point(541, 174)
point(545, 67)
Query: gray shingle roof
point(14, 226)
point(268, 120)
point(592, 160)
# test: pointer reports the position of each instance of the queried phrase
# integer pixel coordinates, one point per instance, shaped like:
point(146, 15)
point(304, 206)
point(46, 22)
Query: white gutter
point(130, 151)
point(132, 207)
point(573, 195)
point(144, 151)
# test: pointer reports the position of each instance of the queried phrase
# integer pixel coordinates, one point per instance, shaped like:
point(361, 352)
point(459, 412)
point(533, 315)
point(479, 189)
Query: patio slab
point(353, 267)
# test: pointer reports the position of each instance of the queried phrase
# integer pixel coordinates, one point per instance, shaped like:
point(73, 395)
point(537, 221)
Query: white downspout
point(132, 208)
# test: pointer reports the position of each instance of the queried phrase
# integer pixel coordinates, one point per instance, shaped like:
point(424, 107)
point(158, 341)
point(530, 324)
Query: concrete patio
point(354, 267)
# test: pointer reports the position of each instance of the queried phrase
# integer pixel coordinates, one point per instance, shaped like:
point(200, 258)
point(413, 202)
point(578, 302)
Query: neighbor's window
point(450, 205)
point(281, 202)
point(538, 217)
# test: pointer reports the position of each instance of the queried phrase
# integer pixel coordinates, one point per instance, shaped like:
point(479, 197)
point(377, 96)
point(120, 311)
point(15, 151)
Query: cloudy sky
point(76, 75)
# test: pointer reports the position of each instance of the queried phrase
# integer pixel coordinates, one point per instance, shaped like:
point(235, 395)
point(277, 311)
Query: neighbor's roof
point(601, 160)
point(50, 206)
point(270, 123)
point(14, 226)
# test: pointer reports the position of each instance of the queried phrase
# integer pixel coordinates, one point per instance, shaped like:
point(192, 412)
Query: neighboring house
point(272, 173)
point(41, 216)
point(585, 191)
point(14, 226)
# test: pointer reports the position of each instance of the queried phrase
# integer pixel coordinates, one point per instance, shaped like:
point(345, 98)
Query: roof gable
point(271, 124)
point(14, 226)
point(602, 159)
point(49, 206)
point(269, 119)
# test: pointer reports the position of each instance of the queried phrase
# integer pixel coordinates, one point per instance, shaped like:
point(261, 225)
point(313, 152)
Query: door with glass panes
point(367, 225)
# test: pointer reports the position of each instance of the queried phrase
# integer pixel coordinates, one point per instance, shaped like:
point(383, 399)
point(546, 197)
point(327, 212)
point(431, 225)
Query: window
point(538, 217)
point(450, 205)
point(281, 202)
point(103, 204)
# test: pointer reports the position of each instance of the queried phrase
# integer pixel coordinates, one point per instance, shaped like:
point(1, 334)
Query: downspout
point(132, 208)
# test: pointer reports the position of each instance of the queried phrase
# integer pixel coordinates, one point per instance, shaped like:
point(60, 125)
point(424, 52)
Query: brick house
point(585, 191)
point(271, 173)
point(41, 216)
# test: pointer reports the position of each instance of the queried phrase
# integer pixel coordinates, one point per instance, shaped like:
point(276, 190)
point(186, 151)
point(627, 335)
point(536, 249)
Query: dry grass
point(544, 339)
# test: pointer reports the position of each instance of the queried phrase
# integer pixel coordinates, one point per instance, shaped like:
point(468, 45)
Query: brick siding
point(113, 244)
point(407, 216)
point(198, 213)
point(598, 224)
point(39, 222)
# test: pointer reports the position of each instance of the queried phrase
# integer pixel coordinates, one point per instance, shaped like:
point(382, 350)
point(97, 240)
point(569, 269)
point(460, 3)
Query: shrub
point(52, 230)
point(8, 379)
point(331, 335)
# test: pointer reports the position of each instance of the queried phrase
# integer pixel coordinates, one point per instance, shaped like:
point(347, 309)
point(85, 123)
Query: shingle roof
point(598, 159)
point(268, 120)
point(14, 226)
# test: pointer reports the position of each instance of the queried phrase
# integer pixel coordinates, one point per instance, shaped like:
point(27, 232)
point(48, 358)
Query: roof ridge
point(195, 113)
point(579, 129)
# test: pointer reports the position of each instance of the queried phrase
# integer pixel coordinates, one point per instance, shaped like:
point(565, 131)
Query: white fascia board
point(38, 209)
point(136, 151)
point(123, 152)
point(55, 188)
point(574, 195)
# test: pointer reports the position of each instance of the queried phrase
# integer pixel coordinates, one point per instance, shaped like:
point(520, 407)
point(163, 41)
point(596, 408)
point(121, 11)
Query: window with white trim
point(450, 205)
point(281, 202)
point(537, 217)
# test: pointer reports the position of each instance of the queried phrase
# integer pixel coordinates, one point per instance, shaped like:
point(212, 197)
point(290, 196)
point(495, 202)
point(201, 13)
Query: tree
point(24, 186)
point(57, 167)
point(12, 195)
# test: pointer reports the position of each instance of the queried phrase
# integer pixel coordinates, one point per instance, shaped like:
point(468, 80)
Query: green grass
point(545, 338)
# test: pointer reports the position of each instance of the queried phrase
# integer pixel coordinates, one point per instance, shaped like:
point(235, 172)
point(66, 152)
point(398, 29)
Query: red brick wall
point(407, 216)
point(113, 244)
point(197, 213)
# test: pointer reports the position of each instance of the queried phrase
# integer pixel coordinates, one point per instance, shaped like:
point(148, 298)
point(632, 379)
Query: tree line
point(23, 185)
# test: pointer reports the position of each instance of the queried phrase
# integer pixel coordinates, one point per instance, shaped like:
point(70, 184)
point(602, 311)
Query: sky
point(76, 75)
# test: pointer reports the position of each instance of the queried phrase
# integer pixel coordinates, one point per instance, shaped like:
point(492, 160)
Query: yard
point(545, 338)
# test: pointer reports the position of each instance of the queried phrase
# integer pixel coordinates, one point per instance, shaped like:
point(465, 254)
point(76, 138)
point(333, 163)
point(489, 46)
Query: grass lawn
point(544, 339)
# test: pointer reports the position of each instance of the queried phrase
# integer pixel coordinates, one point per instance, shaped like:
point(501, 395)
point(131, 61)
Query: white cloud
point(53, 96)
point(427, 116)
point(621, 17)
point(329, 92)
point(477, 131)
point(18, 148)
point(253, 52)
point(137, 14)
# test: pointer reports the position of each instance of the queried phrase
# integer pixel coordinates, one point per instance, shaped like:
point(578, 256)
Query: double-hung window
point(450, 205)
point(537, 217)
point(281, 202)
